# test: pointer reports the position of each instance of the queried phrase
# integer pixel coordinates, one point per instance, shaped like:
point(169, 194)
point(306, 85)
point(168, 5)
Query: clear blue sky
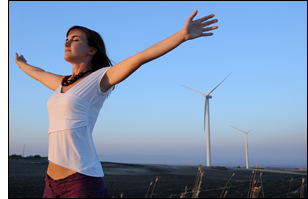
point(150, 118)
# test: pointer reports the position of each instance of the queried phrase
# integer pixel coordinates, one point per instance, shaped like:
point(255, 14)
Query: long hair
point(100, 58)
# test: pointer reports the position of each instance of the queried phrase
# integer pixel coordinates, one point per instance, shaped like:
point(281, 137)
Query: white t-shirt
point(72, 116)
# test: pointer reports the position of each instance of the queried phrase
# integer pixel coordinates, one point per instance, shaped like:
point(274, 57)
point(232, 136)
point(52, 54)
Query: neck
point(79, 68)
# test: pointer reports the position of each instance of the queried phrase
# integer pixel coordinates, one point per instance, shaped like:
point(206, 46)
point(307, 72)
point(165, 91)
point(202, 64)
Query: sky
point(149, 117)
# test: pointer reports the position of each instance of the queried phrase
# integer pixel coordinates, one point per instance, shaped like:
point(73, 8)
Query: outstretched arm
point(191, 30)
point(50, 80)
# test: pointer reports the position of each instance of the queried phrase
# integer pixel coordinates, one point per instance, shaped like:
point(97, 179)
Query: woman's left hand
point(198, 28)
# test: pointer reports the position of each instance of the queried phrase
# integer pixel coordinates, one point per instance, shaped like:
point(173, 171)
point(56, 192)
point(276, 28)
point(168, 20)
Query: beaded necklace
point(66, 82)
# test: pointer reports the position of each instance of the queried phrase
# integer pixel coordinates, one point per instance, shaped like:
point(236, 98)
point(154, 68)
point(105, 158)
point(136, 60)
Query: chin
point(67, 59)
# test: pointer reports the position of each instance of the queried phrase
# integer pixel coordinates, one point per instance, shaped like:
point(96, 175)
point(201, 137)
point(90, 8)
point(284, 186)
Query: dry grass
point(148, 189)
point(302, 188)
point(198, 182)
point(255, 186)
point(289, 187)
point(225, 186)
point(262, 186)
point(183, 195)
point(154, 186)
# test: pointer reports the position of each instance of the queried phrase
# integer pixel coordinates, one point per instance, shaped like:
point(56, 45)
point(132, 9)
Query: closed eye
point(73, 38)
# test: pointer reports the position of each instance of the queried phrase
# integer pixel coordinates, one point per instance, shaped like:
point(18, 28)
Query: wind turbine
point(245, 142)
point(207, 120)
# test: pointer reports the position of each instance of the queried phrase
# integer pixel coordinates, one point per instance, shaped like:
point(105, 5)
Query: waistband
point(75, 184)
point(72, 177)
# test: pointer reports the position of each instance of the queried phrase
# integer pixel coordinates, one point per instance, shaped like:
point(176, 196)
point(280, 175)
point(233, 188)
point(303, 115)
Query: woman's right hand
point(19, 59)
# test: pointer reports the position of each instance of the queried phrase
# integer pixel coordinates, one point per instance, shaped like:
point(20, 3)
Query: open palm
point(20, 58)
point(197, 28)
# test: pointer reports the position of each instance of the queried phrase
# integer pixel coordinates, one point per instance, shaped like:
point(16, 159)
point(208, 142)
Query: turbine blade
point(238, 129)
point(254, 128)
point(194, 90)
point(217, 85)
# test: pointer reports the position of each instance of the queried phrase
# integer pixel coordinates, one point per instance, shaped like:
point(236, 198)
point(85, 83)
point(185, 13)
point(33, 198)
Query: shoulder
point(104, 81)
point(102, 71)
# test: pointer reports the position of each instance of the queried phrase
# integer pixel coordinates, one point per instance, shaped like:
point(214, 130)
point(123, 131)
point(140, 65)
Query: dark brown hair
point(100, 58)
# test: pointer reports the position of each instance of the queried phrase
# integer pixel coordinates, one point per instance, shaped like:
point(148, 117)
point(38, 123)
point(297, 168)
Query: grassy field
point(26, 180)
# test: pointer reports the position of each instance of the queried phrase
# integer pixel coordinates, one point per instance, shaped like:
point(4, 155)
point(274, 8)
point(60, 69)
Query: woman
point(74, 169)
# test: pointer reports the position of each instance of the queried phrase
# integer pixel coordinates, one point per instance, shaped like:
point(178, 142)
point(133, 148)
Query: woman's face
point(77, 49)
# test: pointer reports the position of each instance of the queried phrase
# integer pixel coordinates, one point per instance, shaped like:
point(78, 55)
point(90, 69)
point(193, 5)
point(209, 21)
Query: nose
point(67, 44)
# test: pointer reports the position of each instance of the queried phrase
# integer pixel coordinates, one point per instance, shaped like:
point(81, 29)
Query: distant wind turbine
point(245, 142)
point(207, 119)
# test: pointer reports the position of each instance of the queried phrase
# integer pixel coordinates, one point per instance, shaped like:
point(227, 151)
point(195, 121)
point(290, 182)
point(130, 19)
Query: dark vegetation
point(26, 180)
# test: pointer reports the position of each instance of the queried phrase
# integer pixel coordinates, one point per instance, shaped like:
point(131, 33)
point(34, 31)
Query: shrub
point(15, 156)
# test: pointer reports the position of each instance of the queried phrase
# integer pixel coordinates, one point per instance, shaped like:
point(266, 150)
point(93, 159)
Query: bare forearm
point(30, 70)
point(161, 48)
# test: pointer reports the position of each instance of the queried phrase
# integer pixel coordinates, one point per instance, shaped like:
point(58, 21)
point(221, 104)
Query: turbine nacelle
point(208, 97)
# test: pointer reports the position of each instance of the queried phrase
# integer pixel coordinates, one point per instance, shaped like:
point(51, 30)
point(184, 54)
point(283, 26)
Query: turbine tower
point(245, 143)
point(207, 120)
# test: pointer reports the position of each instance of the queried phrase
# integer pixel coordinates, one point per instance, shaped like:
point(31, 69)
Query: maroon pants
point(76, 185)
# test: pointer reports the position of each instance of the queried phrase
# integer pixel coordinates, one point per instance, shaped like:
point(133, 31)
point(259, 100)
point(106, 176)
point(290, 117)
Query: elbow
point(138, 59)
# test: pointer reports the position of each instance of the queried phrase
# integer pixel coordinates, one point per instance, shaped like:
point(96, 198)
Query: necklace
point(66, 82)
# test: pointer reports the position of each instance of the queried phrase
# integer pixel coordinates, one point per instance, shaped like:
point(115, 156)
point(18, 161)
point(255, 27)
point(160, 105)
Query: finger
point(207, 34)
point(209, 28)
point(190, 18)
point(207, 17)
point(210, 22)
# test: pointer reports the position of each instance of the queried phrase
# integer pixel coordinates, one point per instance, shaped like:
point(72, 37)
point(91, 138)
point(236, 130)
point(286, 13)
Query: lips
point(67, 50)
